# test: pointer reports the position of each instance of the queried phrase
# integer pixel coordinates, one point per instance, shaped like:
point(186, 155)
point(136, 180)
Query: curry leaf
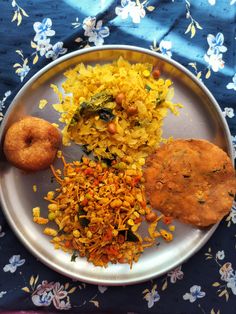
point(73, 256)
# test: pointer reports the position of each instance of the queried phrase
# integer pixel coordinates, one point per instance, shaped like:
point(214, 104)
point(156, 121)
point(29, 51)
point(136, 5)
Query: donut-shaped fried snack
point(31, 143)
point(191, 180)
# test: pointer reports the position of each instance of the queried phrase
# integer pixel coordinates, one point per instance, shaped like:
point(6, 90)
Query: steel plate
point(201, 117)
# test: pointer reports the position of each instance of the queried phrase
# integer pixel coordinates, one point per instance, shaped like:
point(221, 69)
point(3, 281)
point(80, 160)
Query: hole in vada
point(29, 140)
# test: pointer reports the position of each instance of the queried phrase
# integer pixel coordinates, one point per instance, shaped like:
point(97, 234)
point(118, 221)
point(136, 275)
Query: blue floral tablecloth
point(198, 34)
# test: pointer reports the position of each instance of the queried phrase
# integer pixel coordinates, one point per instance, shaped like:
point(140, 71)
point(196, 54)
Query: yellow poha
point(109, 127)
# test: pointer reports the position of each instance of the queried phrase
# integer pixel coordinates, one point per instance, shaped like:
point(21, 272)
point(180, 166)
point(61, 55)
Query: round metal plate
point(200, 118)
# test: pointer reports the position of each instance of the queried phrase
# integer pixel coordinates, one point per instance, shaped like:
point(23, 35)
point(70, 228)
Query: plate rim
point(28, 245)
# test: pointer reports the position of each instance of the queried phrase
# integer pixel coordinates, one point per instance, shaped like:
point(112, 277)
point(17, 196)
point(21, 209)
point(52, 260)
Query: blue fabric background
point(164, 22)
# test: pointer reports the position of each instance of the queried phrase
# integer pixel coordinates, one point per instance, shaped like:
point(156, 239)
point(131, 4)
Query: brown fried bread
point(190, 180)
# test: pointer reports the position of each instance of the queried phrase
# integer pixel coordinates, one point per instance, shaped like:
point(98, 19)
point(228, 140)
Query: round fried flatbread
point(191, 180)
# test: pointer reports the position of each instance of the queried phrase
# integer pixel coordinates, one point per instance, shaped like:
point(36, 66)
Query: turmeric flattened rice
point(115, 109)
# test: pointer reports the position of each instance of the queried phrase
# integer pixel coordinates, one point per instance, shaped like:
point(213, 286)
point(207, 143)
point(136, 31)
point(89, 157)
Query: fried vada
point(31, 143)
point(190, 180)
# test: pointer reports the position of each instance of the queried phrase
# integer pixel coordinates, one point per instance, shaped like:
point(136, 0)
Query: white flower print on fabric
point(43, 30)
point(232, 85)
point(50, 293)
point(2, 102)
point(43, 46)
point(42, 43)
point(89, 24)
point(226, 271)
point(220, 255)
point(44, 299)
point(2, 234)
point(233, 213)
point(130, 8)
point(215, 62)
point(2, 293)
point(21, 69)
point(23, 72)
point(59, 293)
point(175, 274)
point(231, 218)
point(102, 289)
point(214, 55)
point(216, 44)
point(57, 50)
point(231, 283)
point(165, 48)
point(62, 305)
point(151, 296)
point(95, 31)
point(228, 275)
point(228, 112)
point(137, 13)
point(195, 293)
point(15, 262)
